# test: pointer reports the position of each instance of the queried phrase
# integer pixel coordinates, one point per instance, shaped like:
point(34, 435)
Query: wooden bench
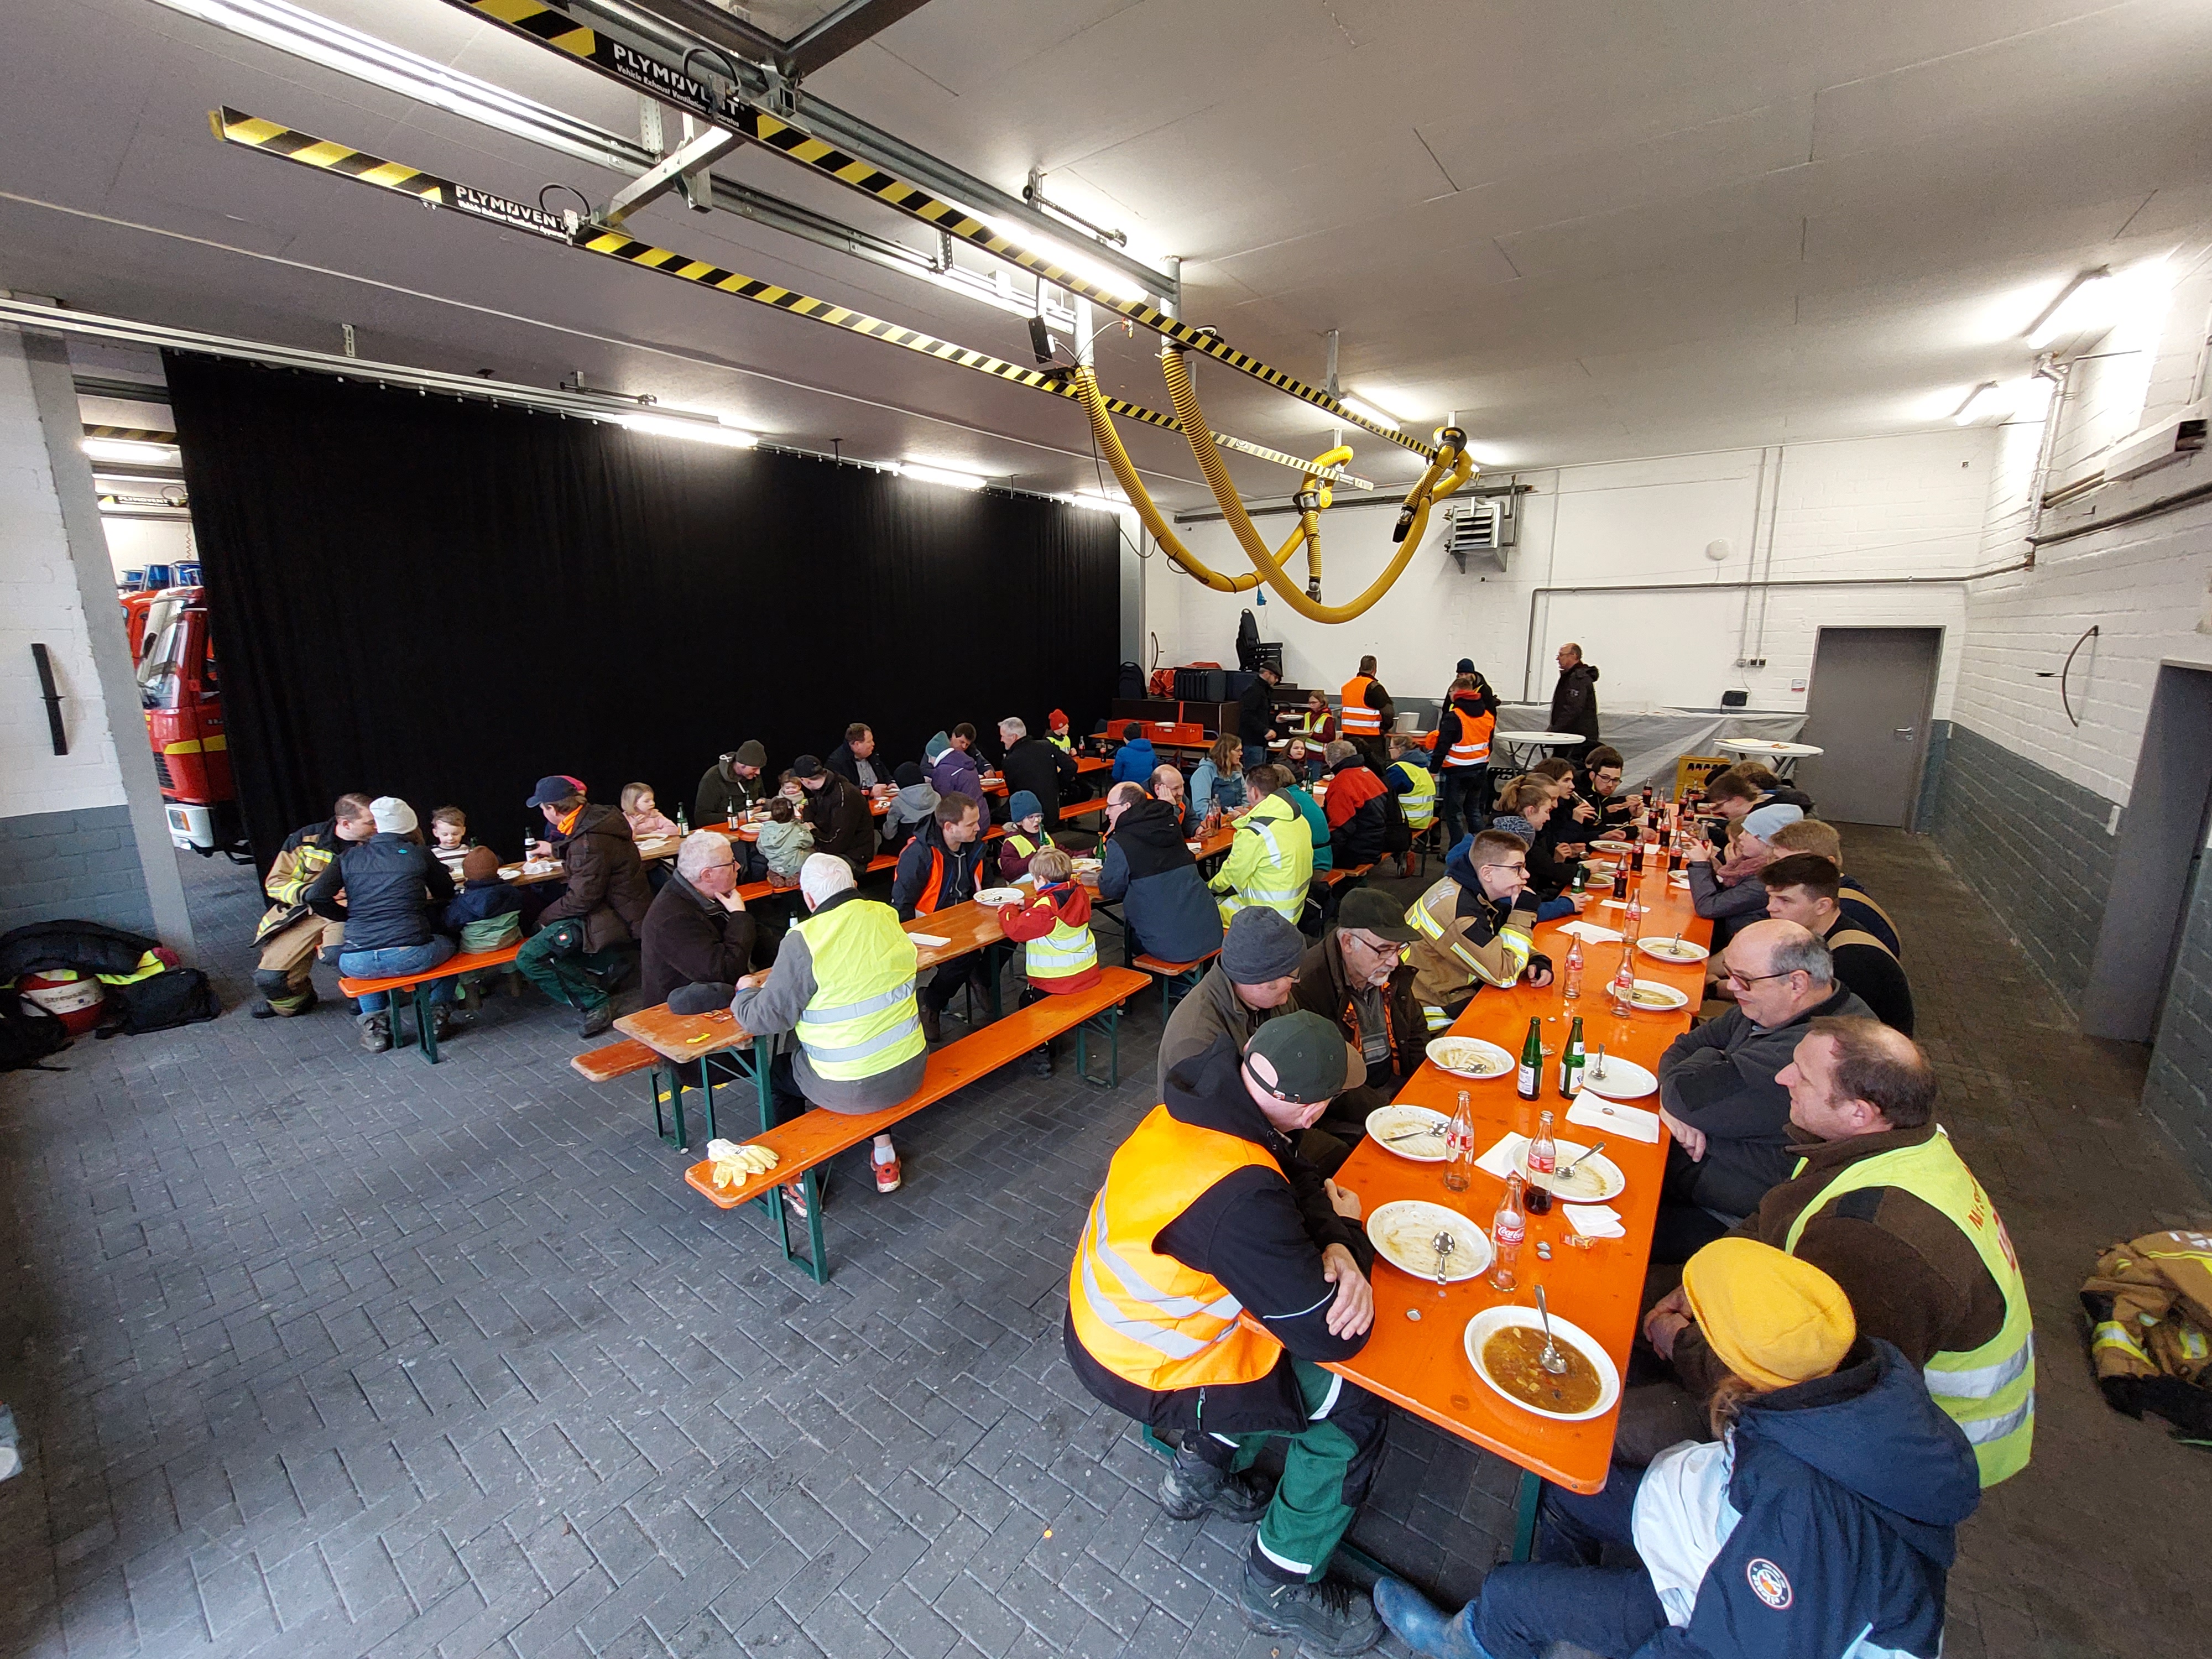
point(629, 1057)
point(1173, 974)
point(753, 891)
point(1083, 808)
point(426, 1025)
point(811, 1139)
point(1331, 877)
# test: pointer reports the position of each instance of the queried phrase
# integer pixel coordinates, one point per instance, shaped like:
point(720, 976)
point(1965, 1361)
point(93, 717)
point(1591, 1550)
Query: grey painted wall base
point(2176, 1091)
point(2032, 843)
point(81, 865)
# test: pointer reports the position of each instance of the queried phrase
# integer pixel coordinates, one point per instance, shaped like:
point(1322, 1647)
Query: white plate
point(1194, 846)
point(1476, 1058)
point(1664, 950)
point(1402, 1232)
point(1487, 1323)
point(509, 875)
point(1670, 998)
point(1624, 1080)
point(1612, 846)
point(1424, 1128)
point(1001, 895)
point(1599, 1179)
point(1088, 867)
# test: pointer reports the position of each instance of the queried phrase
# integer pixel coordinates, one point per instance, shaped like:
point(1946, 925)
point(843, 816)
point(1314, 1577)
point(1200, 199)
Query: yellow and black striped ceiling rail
point(132, 434)
point(235, 127)
point(648, 68)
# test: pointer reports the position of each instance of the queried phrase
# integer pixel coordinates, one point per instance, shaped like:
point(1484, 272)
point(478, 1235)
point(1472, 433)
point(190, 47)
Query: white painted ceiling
point(1592, 229)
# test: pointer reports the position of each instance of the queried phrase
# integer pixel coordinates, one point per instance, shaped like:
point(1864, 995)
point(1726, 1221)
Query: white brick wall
point(39, 602)
point(1894, 507)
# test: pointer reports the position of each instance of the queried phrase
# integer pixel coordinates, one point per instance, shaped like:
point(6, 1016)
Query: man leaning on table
point(1879, 1201)
point(1476, 925)
point(1717, 1089)
point(697, 932)
point(1357, 978)
point(1206, 1212)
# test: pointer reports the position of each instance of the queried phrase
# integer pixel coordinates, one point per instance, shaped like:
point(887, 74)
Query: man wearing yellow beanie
point(1823, 1516)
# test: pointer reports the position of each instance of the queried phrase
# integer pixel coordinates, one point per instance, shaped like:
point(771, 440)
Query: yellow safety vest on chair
point(861, 1019)
point(1989, 1391)
point(1148, 1318)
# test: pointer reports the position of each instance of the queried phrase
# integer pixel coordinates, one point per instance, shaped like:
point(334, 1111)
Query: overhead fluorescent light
point(698, 432)
point(941, 474)
point(2082, 304)
point(1107, 281)
point(1367, 411)
point(1988, 399)
point(1094, 501)
point(125, 449)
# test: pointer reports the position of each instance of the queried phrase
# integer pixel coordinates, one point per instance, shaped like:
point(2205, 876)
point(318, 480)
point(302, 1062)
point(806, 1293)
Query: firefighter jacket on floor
point(2150, 1338)
point(1989, 1390)
point(1206, 1211)
point(1270, 863)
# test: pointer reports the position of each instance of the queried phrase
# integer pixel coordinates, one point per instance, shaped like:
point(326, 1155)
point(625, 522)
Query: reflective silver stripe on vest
point(1174, 1344)
point(874, 1005)
point(1982, 1429)
point(874, 1045)
point(1074, 951)
point(1983, 1381)
point(1175, 1307)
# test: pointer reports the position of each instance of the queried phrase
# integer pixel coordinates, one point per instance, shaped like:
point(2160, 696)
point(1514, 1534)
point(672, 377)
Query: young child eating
point(1059, 954)
point(646, 821)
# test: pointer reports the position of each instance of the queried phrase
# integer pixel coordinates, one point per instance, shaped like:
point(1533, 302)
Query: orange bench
point(426, 1027)
point(811, 1139)
point(1172, 974)
point(1343, 873)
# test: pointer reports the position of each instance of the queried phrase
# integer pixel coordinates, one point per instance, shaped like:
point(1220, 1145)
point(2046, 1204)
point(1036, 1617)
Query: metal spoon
point(1576, 1164)
point(1444, 1246)
point(1554, 1362)
point(1598, 1069)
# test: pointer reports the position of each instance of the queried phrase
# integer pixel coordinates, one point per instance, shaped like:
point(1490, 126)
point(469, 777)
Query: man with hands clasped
point(1208, 1212)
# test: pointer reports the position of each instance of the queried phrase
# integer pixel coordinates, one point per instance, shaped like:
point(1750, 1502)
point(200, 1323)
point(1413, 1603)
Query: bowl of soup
point(1505, 1345)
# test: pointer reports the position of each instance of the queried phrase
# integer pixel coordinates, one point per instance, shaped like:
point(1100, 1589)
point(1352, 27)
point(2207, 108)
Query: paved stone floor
point(317, 1352)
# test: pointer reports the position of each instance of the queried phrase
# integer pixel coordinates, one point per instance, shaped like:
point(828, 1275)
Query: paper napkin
point(928, 941)
point(1504, 1158)
point(1595, 1112)
point(1595, 1220)
point(1591, 931)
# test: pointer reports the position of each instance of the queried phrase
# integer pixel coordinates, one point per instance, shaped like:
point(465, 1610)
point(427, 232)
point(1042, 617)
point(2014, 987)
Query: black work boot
point(1192, 1487)
point(376, 1032)
point(1328, 1617)
point(596, 1020)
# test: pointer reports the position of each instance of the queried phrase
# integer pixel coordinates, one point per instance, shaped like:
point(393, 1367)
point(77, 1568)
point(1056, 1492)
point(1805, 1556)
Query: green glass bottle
point(1570, 1061)
point(1531, 1080)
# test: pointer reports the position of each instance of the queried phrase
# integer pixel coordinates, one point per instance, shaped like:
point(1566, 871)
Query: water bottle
point(1507, 1229)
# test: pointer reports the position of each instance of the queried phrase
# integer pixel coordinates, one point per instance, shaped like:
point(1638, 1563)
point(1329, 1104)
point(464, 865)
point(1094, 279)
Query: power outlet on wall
point(1796, 685)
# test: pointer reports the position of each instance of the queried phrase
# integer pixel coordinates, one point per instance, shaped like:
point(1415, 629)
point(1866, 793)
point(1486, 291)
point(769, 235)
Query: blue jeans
point(391, 963)
point(1563, 1596)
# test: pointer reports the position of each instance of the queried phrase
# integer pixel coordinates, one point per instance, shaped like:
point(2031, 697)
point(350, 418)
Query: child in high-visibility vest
point(1058, 953)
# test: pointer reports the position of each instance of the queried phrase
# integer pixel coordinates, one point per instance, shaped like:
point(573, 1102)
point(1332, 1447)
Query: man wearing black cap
point(1208, 1212)
point(577, 953)
point(1357, 977)
point(838, 812)
point(732, 784)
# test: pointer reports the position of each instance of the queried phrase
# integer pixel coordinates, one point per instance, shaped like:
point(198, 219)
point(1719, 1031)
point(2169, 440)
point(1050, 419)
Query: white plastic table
point(1521, 747)
point(1782, 756)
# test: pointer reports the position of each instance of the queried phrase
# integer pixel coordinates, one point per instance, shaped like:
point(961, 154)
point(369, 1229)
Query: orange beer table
point(1421, 1364)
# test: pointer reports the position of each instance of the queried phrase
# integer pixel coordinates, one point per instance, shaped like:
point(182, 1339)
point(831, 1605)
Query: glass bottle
point(1572, 1061)
point(683, 824)
point(1543, 1158)
point(1574, 971)
point(1632, 920)
point(1507, 1229)
point(1623, 988)
point(1459, 1147)
point(1531, 1080)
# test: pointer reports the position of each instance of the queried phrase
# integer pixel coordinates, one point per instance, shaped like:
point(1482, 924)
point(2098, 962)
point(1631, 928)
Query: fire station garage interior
point(983, 829)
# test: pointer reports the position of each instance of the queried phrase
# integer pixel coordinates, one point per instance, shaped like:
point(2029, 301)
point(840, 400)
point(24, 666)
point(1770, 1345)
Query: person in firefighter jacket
point(1476, 927)
point(291, 934)
point(1207, 1212)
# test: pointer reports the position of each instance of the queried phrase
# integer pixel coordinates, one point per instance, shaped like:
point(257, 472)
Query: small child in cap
point(1025, 836)
point(1058, 953)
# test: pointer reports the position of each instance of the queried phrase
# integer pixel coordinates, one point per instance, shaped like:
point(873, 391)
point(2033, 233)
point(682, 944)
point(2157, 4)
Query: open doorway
point(2155, 865)
point(1867, 709)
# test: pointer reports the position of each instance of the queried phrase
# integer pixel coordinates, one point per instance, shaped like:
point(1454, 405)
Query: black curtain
point(445, 599)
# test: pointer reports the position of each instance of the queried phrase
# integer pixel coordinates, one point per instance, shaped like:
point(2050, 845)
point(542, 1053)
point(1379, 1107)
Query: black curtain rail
point(447, 599)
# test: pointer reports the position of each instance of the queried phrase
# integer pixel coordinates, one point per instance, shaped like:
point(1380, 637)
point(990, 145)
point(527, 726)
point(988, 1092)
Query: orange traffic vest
point(1360, 720)
point(1148, 1318)
point(1474, 747)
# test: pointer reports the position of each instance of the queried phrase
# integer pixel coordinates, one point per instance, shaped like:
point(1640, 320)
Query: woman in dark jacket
point(393, 886)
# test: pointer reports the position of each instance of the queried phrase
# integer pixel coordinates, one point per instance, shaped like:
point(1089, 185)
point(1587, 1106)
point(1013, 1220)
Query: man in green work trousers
point(1207, 1212)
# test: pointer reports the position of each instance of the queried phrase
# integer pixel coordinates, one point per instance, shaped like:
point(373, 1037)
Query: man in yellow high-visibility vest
point(1880, 1202)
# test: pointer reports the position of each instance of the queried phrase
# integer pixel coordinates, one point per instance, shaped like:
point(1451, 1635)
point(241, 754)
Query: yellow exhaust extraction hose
point(1452, 468)
point(1086, 380)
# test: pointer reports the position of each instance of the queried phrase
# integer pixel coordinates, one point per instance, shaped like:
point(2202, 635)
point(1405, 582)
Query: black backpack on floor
point(178, 996)
point(28, 1034)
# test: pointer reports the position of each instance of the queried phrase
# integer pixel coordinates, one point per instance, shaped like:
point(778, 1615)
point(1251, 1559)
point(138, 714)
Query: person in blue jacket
point(1135, 761)
point(1820, 1523)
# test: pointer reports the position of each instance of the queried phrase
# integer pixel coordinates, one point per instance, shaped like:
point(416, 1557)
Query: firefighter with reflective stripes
point(1882, 1202)
point(1208, 1212)
point(291, 934)
point(1476, 926)
point(1270, 862)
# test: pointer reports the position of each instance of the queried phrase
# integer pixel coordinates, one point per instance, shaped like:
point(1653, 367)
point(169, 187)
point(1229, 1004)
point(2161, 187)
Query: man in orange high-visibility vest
point(1367, 713)
point(1207, 1213)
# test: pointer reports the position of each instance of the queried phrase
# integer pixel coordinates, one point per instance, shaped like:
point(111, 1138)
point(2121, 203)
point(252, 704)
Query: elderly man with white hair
point(843, 984)
point(1046, 770)
point(697, 931)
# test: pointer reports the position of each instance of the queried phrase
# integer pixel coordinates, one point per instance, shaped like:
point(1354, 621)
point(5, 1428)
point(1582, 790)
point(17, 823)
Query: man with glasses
point(1718, 1095)
point(1476, 927)
point(1608, 812)
point(1358, 977)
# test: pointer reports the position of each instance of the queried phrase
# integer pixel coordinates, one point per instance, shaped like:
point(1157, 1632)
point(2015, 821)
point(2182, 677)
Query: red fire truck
point(182, 694)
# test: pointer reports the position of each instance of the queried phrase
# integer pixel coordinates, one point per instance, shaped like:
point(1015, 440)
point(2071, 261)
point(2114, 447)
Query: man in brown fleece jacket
point(1858, 1089)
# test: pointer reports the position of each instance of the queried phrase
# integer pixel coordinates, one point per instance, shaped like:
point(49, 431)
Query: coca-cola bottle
point(1543, 1158)
point(1623, 988)
point(1632, 920)
point(1507, 1229)
point(1459, 1147)
point(1574, 970)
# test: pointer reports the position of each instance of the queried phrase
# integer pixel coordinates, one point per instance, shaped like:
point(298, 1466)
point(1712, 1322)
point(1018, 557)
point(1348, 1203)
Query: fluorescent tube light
point(1985, 400)
point(939, 475)
point(1094, 501)
point(1366, 411)
point(125, 449)
point(2083, 303)
point(698, 431)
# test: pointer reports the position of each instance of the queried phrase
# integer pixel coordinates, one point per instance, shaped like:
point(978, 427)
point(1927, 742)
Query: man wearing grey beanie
point(1254, 981)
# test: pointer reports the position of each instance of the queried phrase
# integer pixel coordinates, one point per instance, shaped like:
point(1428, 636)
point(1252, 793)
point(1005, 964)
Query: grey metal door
point(1867, 708)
